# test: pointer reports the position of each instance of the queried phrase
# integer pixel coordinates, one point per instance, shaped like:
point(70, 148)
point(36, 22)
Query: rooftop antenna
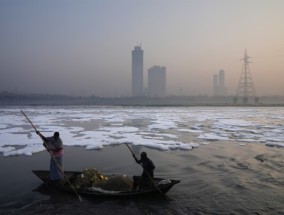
point(246, 87)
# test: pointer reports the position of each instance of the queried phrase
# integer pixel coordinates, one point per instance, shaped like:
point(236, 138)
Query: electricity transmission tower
point(246, 87)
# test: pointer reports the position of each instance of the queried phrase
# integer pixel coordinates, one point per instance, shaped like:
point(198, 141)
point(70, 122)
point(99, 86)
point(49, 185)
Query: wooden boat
point(161, 186)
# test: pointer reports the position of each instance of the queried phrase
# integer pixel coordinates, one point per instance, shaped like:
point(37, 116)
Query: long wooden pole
point(52, 156)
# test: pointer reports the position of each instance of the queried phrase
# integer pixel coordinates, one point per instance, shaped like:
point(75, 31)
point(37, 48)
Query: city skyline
point(82, 48)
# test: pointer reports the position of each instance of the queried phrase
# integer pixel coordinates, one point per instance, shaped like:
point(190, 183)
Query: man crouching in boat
point(146, 179)
point(54, 145)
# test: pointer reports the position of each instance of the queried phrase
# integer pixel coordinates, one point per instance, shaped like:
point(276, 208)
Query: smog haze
point(83, 48)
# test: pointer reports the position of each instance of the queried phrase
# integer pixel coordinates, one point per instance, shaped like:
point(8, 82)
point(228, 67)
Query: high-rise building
point(137, 71)
point(215, 84)
point(221, 79)
point(157, 81)
point(219, 87)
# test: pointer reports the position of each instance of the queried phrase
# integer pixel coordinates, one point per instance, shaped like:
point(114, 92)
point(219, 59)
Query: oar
point(57, 164)
point(146, 172)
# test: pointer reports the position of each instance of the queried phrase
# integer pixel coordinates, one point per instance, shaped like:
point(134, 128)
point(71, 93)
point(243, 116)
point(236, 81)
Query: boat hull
point(159, 188)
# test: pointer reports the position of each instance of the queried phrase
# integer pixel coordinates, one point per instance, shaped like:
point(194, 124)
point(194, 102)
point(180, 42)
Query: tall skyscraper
point(222, 80)
point(216, 84)
point(157, 81)
point(137, 71)
point(219, 87)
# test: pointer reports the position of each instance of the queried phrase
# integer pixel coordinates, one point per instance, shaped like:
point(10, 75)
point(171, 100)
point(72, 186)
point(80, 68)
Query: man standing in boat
point(54, 145)
point(146, 179)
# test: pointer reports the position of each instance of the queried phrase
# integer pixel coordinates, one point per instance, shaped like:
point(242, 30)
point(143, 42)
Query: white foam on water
point(160, 128)
point(189, 130)
point(2, 126)
point(211, 137)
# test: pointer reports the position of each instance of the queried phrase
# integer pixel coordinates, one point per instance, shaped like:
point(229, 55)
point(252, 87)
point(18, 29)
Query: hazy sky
point(84, 47)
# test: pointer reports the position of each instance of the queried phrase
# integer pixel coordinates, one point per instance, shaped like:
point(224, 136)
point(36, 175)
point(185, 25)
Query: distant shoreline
point(51, 100)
